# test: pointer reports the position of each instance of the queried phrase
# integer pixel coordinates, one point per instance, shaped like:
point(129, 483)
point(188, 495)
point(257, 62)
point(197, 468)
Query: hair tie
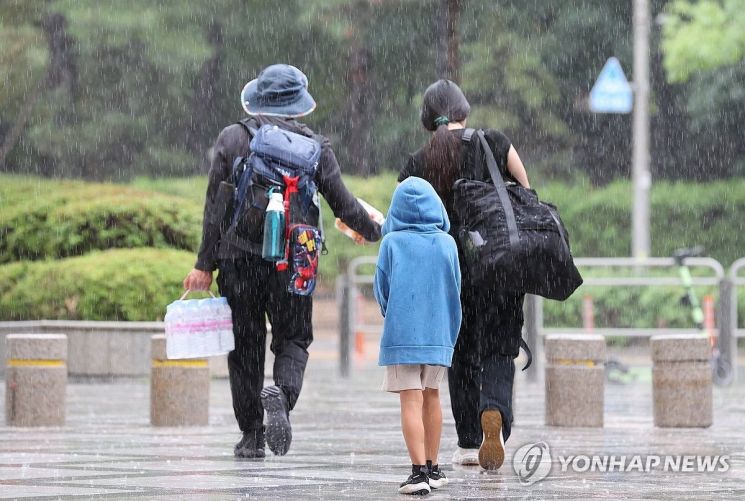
point(441, 120)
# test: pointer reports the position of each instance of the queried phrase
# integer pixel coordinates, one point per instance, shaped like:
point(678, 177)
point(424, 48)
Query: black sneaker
point(417, 483)
point(251, 446)
point(278, 429)
point(437, 478)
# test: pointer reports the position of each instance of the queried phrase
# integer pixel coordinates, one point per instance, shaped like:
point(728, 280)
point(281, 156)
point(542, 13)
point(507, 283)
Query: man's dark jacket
point(233, 142)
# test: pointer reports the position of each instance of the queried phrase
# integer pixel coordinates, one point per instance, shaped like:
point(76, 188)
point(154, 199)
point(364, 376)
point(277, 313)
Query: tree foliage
point(702, 36)
point(120, 88)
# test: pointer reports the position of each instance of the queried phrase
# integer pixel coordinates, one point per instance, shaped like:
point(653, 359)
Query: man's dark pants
point(483, 368)
point(255, 292)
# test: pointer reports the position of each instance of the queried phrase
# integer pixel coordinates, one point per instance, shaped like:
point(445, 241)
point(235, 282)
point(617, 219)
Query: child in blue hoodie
point(417, 284)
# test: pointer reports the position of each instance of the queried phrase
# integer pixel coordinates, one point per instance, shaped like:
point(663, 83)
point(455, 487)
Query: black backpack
point(509, 237)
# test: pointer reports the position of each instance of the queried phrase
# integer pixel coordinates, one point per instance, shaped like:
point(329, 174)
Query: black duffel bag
point(509, 237)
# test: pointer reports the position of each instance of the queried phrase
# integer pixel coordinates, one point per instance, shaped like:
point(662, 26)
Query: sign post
point(612, 93)
point(642, 178)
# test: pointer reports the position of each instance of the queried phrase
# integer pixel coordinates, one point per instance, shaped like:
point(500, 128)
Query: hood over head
point(416, 207)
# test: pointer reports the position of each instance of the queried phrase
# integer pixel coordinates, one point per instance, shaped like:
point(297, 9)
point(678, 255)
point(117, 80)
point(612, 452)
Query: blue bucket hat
point(280, 90)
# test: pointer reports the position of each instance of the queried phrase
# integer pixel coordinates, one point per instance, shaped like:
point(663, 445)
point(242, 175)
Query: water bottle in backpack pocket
point(273, 248)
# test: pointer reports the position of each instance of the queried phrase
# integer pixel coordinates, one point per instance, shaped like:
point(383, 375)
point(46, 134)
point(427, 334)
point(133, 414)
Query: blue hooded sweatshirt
point(417, 280)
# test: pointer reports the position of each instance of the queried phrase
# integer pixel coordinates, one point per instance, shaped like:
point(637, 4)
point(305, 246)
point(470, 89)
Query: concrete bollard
point(179, 389)
point(35, 379)
point(681, 381)
point(575, 380)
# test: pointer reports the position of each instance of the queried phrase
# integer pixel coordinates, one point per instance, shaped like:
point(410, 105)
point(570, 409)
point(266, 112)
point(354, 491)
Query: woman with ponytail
point(483, 368)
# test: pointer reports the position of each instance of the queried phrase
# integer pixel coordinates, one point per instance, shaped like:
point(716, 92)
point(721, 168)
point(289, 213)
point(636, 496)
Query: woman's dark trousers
point(483, 369)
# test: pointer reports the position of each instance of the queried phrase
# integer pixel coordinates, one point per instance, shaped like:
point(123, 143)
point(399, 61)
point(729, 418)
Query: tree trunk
point(447, 61)
point(205, 101)
point(62, 70)
point(359, 112)
point(453, 22)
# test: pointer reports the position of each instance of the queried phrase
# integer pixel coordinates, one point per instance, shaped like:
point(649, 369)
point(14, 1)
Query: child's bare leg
point(412, 425)
point(432, 419)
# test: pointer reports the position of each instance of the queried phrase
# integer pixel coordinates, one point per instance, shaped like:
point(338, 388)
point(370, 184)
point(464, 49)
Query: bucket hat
point(280, 90)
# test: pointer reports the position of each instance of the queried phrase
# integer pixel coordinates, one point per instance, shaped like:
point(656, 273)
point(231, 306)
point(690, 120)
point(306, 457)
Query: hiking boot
point(466, 457)
point(437, 478)
point(491, 453)
point(278, 429)
point(417, 483)
point(251, 445)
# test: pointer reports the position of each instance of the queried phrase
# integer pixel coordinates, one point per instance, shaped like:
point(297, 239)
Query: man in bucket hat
point(255, 289)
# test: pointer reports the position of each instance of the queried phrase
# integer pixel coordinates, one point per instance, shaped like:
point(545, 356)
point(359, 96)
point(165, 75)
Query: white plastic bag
point(197, 328)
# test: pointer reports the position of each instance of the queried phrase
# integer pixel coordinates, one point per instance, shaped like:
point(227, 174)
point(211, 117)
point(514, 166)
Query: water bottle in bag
point(273, 248)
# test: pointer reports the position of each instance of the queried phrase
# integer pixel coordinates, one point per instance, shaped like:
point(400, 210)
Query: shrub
point(683, 215)
point(42, 219)
point(643, 307)
point(52, 219)
point(118, 284)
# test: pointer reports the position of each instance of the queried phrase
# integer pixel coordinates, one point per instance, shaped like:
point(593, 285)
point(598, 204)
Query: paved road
point(348, 446)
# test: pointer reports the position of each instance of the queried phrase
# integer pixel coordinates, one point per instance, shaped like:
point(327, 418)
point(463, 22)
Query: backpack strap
point(242, 174)
point(243, 244)
point(529, 353)
point(251, 130)
point(501, 189)
point(468, 134)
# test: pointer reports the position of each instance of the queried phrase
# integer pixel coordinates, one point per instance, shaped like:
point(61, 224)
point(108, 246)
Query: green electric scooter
point(720, 367)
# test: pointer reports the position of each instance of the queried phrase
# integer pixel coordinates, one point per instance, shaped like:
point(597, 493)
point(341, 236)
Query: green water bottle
point(273, 248)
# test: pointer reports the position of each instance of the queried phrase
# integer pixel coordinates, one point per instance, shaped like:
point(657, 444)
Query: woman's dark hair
point(444, 102)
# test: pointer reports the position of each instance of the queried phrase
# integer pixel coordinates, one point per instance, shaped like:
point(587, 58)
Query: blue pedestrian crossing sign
point(611, 92)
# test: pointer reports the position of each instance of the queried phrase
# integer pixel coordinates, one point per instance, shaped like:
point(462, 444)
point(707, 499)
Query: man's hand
point(198, 280)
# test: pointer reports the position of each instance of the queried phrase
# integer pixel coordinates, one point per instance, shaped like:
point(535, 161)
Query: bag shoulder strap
point(242, 179)
point(251, 130)
point(467, 135)
point(562, 232)
point(504, 197)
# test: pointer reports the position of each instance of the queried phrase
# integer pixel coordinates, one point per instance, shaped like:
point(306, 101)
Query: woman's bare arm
point(516, 167)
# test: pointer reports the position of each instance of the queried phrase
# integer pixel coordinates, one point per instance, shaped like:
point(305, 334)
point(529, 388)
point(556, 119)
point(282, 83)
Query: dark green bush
point(53, 219)
point(42, 219)
point(644, 307)
point(683, 215)
point(118, 284)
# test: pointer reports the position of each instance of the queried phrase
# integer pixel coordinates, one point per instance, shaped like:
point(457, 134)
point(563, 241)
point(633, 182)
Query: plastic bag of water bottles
point(197, 328)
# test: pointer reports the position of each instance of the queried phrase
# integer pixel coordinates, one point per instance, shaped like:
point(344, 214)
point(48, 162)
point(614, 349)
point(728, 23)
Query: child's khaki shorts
point(412, 377)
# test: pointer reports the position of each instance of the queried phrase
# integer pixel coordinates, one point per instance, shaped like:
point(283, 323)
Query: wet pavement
point(348, 445)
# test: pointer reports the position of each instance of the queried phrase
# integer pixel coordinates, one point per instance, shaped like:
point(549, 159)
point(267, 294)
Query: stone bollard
point(35, 379)
point(179, 389)
point(681, 381)
point(575, 380)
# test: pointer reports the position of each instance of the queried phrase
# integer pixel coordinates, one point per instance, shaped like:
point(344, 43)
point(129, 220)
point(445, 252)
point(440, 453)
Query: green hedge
point(655, 306)
point(53, 219)
point(44, 219)
point(118, 284)
point(683, 215)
